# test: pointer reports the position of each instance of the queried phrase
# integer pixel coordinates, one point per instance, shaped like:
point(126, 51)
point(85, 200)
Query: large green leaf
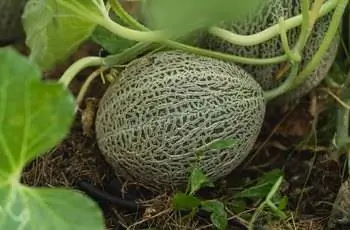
point(55, 28)
point(34, 116)
point(182, 16)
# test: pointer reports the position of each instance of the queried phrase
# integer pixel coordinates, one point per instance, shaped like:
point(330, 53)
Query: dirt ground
point(311, 179)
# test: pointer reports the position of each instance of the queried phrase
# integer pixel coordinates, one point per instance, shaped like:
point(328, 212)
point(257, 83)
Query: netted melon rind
point(165, 105)
point(266, 74)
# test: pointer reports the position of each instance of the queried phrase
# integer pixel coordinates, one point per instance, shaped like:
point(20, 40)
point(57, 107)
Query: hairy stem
point(124, 16)
point(284, 87)
point(305, 29)
point(118, 9)
point(297, 50)
point(86, 85)
point(135, 35)
point(224, 56)
point(293, 56)
point(316, 6)
point(79, 65)
point(267, 34)
point(102, 18)
point(295, 80)
point(295, 21)
point(330, 34)
point(128, 54)
point(107, 62)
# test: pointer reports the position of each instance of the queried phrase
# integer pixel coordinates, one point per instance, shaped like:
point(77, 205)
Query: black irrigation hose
point(130, 205)
point(103, 196)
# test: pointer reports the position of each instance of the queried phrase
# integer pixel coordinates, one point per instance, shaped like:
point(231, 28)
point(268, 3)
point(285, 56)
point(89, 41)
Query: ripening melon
point(165, 105)
point(265, 75)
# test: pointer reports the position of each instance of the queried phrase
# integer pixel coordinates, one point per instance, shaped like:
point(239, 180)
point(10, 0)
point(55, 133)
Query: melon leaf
point(182, 201)
point(262, 187)
point(218, 214)
point(54, 31)
point(34, 116)
point(179, 17)
point(198, 180)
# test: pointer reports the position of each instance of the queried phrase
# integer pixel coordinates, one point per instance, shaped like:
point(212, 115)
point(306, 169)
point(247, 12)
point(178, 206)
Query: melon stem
point(267, 34)
point(125, 16)
point(294, 56)
point(128, 54)
point(157, 37)
point(102, 18)
point(306, 26)
point(128, 19)
point(78, 66)
point(226, 57)
point(294, 81)
point(269, 95)
point(131, 34)
point(109, 61)
point(330, 34)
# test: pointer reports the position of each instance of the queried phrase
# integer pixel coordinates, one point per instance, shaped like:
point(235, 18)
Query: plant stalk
point(295, 81)
point(343, 115)
point(128, 54)
point(103, 19)
point(305, 28)
point(267, 34)
point(127, 18)
point(293, 56)
point(330, 34)
point(272, 31)
point(285, 86)
point(77, 66)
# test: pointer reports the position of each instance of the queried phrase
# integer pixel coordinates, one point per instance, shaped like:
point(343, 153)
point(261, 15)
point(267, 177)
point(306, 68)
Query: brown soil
point(311, 178)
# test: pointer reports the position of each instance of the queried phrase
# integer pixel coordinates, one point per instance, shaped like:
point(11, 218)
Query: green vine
point(79, 65)
point(267, 34)
point(294, 81)
point(293, 56)
point(285, 86)
point(105, 21)
point(154, 39)
point(127, 18)
point(330, 34)
point(306, 26)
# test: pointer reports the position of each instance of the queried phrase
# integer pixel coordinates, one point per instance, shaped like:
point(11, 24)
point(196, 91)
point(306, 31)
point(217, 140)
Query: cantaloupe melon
point(267, 16)
point(165, 105)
